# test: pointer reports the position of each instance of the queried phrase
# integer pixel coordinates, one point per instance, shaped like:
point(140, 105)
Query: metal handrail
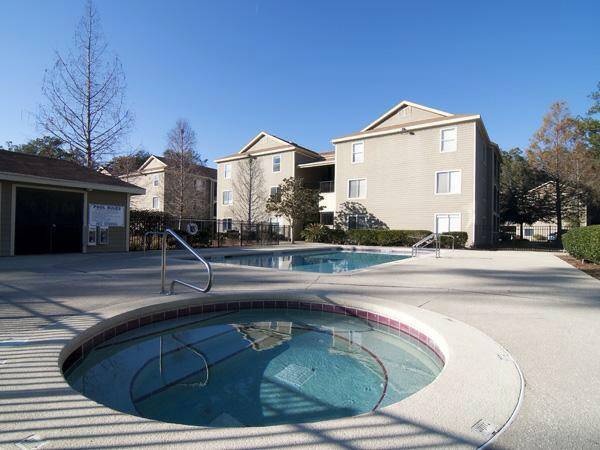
point(422, 243)
point(163, 269)
point(163, 265)
point(450, 236)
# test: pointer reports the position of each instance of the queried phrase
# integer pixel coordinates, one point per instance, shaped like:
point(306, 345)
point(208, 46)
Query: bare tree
point(182, 164)
point(250, 197)
point(85, 94)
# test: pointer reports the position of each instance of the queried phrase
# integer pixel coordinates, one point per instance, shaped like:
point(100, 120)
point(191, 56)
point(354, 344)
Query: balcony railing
point(326, 186)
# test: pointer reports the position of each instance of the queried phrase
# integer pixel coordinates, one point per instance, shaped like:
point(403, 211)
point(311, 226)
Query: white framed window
point(357, 188)
point(198, 184)
point(447, 182)
point(358, 152)
point(155, 179)
point(155, 203)
point(448, 140)
point(226, 224)
point(227, 197)
point(274, 191)
point(357, 221)
point(447, 222)
point(227, 171)
point(277, 163)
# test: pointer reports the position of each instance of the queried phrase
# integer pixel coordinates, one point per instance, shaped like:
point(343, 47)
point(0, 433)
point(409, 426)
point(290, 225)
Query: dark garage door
point(48, 221)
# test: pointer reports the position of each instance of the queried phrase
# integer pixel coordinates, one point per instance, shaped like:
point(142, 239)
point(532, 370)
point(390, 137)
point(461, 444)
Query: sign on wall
point(106, 215)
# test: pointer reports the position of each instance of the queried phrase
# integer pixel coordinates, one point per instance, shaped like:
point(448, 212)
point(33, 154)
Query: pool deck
point(541, 310)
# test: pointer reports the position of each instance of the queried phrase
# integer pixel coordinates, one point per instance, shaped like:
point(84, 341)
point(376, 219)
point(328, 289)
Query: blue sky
point(310, 71)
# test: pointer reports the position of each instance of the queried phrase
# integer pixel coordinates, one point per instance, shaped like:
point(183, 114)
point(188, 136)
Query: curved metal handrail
point(163, 271)
point(450, 236)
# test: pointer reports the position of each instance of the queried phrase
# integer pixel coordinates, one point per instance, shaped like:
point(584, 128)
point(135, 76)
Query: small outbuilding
point(53, 206)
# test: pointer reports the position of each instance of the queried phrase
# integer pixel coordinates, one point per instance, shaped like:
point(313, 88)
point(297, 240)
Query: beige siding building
point(278, 159)
point(157, 179)
point(414, 167)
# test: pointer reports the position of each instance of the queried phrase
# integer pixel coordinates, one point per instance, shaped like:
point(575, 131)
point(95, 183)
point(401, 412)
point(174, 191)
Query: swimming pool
point(313, 261)
point(233, 368)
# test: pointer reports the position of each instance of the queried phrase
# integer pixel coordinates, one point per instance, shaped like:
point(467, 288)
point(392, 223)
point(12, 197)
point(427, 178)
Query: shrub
point(315, 232)
point(460, 239)
point(386, 238)
point(583, 243)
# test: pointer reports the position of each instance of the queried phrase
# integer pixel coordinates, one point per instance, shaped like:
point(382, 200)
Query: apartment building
point(413, 167)
point(158, 180)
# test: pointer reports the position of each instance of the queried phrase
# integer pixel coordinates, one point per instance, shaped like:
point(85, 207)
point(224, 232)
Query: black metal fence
point(204, 233)
point(529, 237)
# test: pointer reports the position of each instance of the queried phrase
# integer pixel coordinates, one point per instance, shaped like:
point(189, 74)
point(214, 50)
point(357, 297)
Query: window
point(155, 203)
point(447, 182)
point(448, 140)
point(227, 171)
point(326, 218)
point(445, 223)
point(357, 188)
point(198, 184)
point(357, 221)
point(227, 224)
point(277, 163)
point(227, 197)
point(274, 191)
point(155, 179)
point(358, 152)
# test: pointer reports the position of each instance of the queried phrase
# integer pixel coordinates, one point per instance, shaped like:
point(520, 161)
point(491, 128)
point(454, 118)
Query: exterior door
point(48, 221)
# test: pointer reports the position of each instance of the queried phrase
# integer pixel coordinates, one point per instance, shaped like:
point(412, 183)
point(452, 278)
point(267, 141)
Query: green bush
point(315, 232)
point(386, 238)
point(583, 243)
point(460, 239)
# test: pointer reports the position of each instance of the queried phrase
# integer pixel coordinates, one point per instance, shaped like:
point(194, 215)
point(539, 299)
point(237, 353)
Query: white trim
point(13, 212)
point(348, 188)
point(408, 127)
point(8, 176)
point(302, 151)
point(435, 215)
point(398, 107)
point(328, 162)
point(352, 152)
point(442, 139)
point(273, 163)
point(127, 224)
point(435, 186)
point(271, 187)
point(258, 137)
point(157, 207)
point(150, 158)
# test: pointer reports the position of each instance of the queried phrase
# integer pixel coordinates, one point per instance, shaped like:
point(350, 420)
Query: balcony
point(326, 187)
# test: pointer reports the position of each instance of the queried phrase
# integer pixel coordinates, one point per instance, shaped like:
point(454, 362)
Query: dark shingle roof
point(204, 171)
point(56, 169)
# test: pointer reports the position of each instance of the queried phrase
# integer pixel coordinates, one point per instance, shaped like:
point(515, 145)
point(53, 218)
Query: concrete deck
point(543, 311)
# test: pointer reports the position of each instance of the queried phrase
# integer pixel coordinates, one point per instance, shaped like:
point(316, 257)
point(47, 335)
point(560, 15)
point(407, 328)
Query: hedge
point(377, 237)
point(583, 243)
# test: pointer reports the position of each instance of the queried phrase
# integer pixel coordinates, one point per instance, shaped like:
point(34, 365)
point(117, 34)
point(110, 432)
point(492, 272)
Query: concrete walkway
point(543, 311)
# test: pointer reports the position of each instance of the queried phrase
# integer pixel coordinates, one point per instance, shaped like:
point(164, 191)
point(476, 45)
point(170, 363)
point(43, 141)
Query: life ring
point(192, 228)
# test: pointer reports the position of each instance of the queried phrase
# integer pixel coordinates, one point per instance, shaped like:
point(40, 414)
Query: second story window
point(447, 182)
point(155, 179)
point(155, 203)
point(357, 188)
point(227, 171)
point(277, 163)
point(448, 140)
point(227, 197)
point(358, 152)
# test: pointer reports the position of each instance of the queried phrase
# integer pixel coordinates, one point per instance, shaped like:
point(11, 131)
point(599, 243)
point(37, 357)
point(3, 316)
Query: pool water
point(255, 368)
point(313, 261)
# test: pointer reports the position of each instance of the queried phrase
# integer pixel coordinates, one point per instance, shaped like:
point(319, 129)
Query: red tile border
point(82, 351)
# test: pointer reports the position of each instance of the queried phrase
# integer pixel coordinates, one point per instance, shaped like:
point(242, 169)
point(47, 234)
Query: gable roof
point(397, 108)
point(284, 145)
point(15, 166)
point(204, 171)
